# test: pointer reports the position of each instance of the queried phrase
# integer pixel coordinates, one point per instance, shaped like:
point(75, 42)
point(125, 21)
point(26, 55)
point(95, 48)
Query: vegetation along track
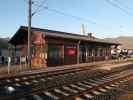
point(64, 84)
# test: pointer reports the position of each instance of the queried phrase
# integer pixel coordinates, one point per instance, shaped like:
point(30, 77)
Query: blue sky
point(109, 20)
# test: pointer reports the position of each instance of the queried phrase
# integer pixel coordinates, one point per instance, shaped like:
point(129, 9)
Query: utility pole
point(29, 31)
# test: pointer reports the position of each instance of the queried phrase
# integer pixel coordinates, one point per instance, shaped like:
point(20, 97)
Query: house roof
point(21, 36)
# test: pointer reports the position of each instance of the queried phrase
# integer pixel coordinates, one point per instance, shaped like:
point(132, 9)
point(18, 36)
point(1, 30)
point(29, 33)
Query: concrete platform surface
point(106, 65)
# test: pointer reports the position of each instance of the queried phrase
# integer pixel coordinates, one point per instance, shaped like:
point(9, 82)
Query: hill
point(4, 42)
point(126, 41)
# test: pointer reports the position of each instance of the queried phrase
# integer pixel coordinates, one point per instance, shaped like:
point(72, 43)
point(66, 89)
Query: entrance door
point(54, 55)
point(70, 54)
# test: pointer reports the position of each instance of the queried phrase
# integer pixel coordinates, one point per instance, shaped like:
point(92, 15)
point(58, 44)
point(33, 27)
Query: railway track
point(36, 86)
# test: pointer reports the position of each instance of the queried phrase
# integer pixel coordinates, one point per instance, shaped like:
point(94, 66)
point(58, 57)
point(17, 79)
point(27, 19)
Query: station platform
point(112, 66)
point(105, 65)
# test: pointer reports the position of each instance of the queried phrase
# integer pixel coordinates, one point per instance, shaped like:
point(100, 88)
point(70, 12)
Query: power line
point(76, 17)
point(61, 13)
point(119, 7)
point(125, 6)
point(71, 15)
point(38, 7)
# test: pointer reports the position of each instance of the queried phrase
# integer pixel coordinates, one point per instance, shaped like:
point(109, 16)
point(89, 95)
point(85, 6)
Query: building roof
point(21, 36)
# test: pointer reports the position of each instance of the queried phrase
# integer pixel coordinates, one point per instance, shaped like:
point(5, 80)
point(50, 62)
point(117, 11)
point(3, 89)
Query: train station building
point(55, 48)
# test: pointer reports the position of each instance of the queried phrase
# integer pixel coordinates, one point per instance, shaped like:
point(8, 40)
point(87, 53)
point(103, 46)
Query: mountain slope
point(126, 41)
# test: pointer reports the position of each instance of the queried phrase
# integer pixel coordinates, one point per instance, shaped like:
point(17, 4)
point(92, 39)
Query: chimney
point(90, 35)
point(83, 29)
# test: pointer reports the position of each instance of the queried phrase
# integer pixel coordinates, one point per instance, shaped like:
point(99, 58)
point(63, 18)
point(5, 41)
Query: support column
point(86, 54)
point(109, 53)
point(46, 54)
point(78, 52)
point(93, 54)
point(98, 52)
point(106, 56)
point(63, 55)
point(15, 59)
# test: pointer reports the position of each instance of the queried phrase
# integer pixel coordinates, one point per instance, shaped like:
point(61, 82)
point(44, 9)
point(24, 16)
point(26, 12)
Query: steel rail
point(38, 89)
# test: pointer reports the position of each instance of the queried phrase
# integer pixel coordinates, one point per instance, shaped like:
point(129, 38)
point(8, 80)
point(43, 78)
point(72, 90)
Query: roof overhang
point(21, 36)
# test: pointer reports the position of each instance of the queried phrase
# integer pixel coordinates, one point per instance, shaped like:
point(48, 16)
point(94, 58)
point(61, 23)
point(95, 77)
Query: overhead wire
point(72, 16)
point(41, 7)
point(125, 6)
point(38, 7)
point(119, 7)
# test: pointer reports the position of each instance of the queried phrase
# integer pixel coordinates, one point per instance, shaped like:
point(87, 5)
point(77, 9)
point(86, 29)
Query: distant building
point(3, 56)
point(4, 53)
